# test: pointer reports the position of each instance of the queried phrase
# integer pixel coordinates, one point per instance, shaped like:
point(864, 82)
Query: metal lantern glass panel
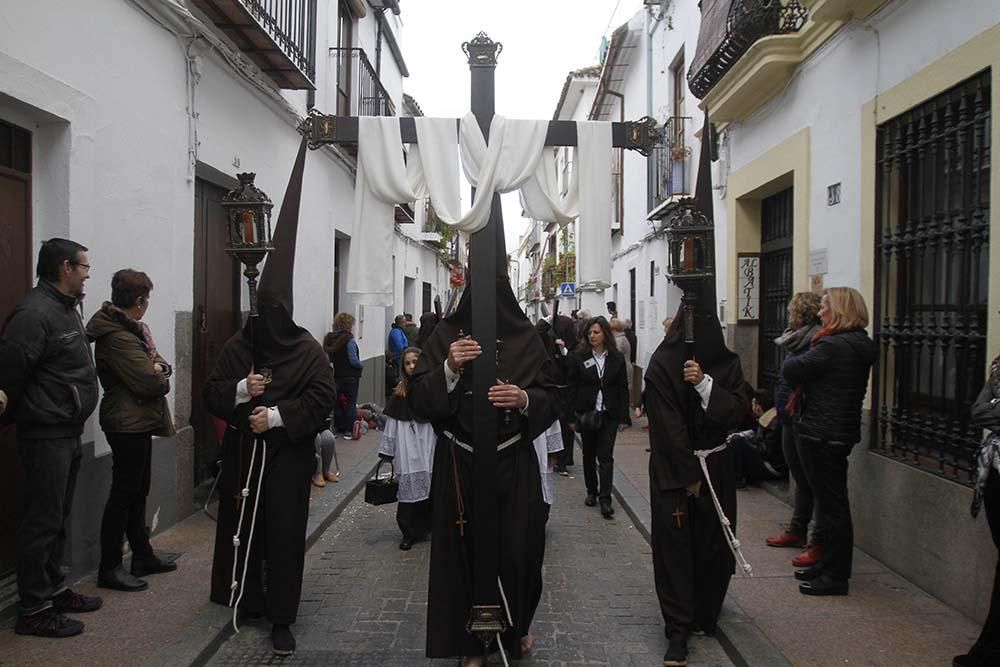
point(248, 223)
point(690, 241)
point(249, 217)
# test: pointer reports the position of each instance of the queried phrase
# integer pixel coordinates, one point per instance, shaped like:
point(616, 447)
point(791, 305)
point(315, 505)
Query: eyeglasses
point(86, 266)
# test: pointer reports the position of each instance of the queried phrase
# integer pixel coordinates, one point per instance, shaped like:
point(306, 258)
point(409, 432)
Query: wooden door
point(216, 312)
point(15, 267)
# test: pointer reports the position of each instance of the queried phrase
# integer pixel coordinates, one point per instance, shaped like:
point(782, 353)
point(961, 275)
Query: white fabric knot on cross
point(514, 158)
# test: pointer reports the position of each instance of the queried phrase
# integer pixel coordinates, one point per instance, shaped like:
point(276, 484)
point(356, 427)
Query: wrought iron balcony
point(359, 90)
point(278, 35)
point(667, 167)
point(730, 27)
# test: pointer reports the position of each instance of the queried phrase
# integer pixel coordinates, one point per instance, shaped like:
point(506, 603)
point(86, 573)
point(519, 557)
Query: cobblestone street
point(364, 600)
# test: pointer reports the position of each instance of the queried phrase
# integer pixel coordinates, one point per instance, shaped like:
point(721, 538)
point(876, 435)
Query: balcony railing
point(278, 35)
point(359, 90)
point(669, 163)
point(730, 27)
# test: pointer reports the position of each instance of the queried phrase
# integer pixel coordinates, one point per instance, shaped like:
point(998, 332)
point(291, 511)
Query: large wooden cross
point(486, 250)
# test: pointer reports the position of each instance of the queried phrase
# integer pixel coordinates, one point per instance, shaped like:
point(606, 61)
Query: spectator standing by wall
point(986, 415)
point(625, 347)
point(342, 349)
point(803, 324)
point(133, 410)
point(59, 393)
point(829, 383)
point(393, 349)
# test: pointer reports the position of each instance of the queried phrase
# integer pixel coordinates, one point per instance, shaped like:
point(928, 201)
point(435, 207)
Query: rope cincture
point(239, 527)
point(734, 544)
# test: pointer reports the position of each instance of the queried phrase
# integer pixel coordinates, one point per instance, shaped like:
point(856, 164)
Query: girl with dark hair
point(803, 324)
point(408, 442)
point(598, 385)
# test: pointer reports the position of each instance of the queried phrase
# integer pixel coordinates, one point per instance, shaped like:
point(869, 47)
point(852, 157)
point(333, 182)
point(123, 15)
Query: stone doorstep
point(744, 642)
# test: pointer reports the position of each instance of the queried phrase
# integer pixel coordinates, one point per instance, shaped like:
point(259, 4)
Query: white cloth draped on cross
point(515, 158)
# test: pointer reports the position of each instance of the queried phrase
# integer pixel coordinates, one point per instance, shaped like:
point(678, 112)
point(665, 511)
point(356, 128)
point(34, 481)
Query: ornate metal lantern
point(691, 254)
point(690, 238)
point(248, 221)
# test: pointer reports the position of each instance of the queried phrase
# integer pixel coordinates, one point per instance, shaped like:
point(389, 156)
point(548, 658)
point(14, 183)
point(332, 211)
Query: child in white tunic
point(409, 444)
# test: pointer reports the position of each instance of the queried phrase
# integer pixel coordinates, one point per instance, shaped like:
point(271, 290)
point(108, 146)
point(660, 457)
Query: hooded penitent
point(273, 470)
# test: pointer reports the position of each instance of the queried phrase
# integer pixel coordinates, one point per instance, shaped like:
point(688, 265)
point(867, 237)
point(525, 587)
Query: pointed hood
point(276, 282)
point(705, 200)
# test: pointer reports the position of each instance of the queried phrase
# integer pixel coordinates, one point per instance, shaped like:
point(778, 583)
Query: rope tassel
point(734, 544)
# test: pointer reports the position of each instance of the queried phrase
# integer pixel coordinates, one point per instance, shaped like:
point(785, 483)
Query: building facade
point(126, 135)
point(854, 150)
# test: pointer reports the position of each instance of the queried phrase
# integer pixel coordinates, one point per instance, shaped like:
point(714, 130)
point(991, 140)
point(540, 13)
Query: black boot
point(146, 566)
point(824, 585)
point(809, 573)
point(282, 640)
point(677, 653)
point(590, 500)
point(117, 579)
point(606, 510)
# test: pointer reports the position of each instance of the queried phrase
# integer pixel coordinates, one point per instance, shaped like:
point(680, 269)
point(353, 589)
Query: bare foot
point(477, 661)
point(527, 643)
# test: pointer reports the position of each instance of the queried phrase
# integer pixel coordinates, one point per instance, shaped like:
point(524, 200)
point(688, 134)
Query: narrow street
point(364, 600)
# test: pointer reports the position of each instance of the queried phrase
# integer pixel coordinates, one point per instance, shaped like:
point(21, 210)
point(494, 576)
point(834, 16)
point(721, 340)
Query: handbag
point(382, 490)
point(592, 420)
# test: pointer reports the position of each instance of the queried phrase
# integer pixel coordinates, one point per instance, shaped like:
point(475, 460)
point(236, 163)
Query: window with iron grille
point(932, 269)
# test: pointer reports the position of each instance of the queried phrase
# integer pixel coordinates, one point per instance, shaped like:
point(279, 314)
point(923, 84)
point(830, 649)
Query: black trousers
point(569, 441)
point(825, 466)
point(125, 511)
point(802, 513)
point(986, 650)
point(598, 458)
point(51, 467)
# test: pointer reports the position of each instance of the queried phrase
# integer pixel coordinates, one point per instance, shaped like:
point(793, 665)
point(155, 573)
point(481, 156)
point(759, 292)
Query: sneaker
point(282, 640)
point(811, 556)
point(69, 602)
point(347, 436)
point(48, 623)
point(786, 539)
point(318, 480)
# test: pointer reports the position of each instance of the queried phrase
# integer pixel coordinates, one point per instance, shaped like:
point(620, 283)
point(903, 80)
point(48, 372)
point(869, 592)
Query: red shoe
point(811, 556)
point(786, 539)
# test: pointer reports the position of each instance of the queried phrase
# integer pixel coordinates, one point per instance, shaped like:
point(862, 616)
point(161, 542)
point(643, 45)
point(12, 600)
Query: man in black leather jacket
point(56, 394)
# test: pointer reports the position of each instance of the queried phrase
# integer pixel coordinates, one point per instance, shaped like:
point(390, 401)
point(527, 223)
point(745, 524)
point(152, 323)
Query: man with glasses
point(54, 395)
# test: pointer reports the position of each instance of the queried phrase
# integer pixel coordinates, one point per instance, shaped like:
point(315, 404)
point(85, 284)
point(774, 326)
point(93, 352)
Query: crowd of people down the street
point(282, 400)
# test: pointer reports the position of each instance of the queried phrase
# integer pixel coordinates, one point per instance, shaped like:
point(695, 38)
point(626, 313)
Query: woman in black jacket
point(599, 389)
point(986, 415)
point(830, 381)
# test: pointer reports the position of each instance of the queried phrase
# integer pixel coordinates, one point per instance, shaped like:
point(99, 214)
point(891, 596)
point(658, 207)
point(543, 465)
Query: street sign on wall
point(567, 290)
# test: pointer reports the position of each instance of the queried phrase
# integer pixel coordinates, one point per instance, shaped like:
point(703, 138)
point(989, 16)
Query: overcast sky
point(543, 40)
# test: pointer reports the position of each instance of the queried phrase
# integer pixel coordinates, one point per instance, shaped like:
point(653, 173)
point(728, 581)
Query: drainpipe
point(652, 25)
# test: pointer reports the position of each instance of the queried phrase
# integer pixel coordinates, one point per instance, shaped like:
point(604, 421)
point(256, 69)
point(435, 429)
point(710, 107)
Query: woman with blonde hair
point(829, 383)
point(409, 442)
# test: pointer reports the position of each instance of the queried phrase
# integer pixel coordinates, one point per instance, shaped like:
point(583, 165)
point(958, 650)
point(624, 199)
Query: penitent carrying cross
point(487, 253)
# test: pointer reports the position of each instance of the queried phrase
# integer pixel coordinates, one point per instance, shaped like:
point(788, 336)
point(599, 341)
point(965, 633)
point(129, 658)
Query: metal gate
point(775, 283)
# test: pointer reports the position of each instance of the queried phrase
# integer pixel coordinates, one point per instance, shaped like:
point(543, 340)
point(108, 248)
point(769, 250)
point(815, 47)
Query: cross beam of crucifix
point(486, 253)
